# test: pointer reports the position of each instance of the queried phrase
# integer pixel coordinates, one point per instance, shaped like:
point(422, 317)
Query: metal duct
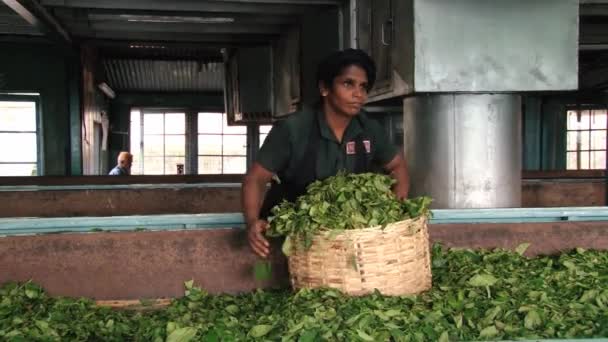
point(465, 150)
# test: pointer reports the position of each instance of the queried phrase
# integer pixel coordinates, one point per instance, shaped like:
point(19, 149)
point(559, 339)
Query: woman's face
point(348, 93)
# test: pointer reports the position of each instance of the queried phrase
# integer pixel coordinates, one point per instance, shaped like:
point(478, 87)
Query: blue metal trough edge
point(34, 225)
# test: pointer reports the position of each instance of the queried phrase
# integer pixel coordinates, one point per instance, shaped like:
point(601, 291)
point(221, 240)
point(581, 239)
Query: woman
point(316, 144)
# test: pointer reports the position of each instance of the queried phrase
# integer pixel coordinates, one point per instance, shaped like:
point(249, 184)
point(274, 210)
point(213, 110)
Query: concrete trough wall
point(154, 264)
point(158, 199)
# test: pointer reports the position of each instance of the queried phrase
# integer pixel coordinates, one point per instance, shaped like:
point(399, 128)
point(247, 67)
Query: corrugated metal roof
point(12, 23)
point(159, 51)
point(164, 75)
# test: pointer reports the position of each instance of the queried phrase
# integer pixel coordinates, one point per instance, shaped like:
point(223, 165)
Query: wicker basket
point(394, 260)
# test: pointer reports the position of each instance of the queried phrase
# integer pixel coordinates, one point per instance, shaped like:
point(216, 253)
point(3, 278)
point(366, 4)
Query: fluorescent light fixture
point(175, 19)
point(21, 94)
point(146, 46)
point(105, 88)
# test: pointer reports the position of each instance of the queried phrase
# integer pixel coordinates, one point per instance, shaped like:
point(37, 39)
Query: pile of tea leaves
point(341, 202)
point(476, 295)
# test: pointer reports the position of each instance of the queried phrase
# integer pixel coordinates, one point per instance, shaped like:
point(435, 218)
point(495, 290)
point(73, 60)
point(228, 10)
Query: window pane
point(571, 161)
point(235, 145)
point(171, 164)
point(598, 140)
point(18, 170)
point(18, 147)
point(210, 123)
point(584, 140)
point(598, 160)
point(262, 139)
point(153, 165)
point(210, 144)
point(153, 145)
point(236, 165)
point(265, 129)
point(135, 141)
point(17, 116)
point(598, 120)
point(136, 168)
point(571, 140)
point(175, 123)
point(209, 165)
point(584, 160)
point(578, 122)
point(153, 123)
point(175, 145)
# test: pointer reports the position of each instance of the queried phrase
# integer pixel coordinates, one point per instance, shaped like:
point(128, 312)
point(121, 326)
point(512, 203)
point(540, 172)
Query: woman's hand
point(257, 241)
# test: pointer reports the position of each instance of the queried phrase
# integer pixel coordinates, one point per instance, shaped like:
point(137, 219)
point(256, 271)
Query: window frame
point(222, 134)
point(36, 98)
point(192, 153)
point(260, 134)
point(589, 130)
point(158, 110)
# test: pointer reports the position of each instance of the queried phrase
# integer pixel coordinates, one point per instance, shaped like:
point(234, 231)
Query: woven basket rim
point(326, 231)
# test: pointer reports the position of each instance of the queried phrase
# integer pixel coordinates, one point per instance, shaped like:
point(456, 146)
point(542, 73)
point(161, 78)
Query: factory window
point(586, 139)
point(264, 129)
point(158, 142)
point(222, 149)
point(19, 154)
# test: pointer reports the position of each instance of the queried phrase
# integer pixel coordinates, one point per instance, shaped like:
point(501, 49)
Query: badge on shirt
point(350, 147)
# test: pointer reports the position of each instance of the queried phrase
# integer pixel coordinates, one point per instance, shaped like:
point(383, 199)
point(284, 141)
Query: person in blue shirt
point(123, 166)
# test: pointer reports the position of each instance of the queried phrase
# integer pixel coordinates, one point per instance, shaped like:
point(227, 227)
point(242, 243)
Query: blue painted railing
point(25, 226)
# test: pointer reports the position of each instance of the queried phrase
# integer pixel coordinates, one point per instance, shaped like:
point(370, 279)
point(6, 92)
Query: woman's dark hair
point(332, 66)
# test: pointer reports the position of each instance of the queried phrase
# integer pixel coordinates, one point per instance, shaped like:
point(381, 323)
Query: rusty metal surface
point(155, 264)
point(563, 193)
point(544, 238)
point(135, 265)
point(119, 202)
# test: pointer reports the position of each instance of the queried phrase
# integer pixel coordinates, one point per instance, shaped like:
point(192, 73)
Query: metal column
point(464, 150)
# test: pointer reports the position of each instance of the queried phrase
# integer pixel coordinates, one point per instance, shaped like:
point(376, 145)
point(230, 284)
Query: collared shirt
point(286, 143)
point(118, 171)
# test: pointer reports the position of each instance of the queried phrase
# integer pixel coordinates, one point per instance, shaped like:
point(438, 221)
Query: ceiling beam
point(23, 12)
point(287, 2)
point(37, 16)
point(593, 2)
point(185, 6)
point(99, 15)
point(221, 39)
point(184, 28)
point(594, 10)
point(593, 47)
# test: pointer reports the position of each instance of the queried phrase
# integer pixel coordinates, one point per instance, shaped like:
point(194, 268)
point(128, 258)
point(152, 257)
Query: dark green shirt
point(286, 144)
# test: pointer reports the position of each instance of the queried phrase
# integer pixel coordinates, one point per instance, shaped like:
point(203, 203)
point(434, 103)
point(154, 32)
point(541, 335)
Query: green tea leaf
point(364, 336)
point(488, 332)
point(262, 270)
point(287, 246)
point(532, 320)
point(233, 309)
point(260, 330)
point(182, 335)
point(521, 249)
point(308, 336)
point(482, 280)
